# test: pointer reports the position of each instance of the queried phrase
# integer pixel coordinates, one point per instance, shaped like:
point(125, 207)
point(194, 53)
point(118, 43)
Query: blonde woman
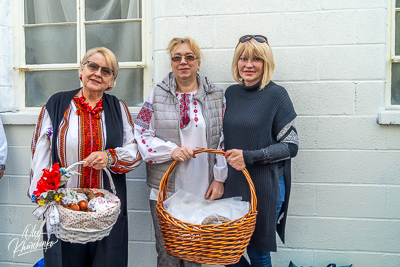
point(260, 135)
point(86, 124)
point(183, 112)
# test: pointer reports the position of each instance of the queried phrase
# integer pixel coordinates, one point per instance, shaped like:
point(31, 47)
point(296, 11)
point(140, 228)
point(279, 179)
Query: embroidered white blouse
point(69, 141)
point(192, 175)
point(3, 147)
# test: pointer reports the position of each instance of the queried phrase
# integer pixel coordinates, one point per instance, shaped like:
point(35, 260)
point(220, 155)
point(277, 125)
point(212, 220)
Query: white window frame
point(20, 67)
point(390, 53)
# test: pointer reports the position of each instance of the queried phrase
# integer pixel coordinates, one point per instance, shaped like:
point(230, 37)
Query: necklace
point(84, 107)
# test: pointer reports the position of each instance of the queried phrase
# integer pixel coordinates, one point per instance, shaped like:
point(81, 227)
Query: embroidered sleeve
point(152, 148)
point(3, 147)
point(40, 148)
point(127, 157)
point(286, 148)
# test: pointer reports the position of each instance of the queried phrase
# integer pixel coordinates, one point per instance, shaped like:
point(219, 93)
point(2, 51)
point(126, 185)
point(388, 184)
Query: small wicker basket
point(220, 244)
point(82, 227)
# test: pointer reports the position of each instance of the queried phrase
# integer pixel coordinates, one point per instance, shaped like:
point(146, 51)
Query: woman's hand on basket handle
point(215, 190)
point(98, 160)
point(182, 154)
point(235, 158)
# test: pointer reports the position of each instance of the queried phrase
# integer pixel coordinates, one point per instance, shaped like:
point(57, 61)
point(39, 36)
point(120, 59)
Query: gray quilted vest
point(166, 123)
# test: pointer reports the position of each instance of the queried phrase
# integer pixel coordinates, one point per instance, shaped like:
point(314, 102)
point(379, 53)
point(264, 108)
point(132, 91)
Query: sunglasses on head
point(258, 38)
point(93, 67)
point(188, 58)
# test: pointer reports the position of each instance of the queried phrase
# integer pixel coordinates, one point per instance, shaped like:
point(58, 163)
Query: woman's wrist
point(174, 147)
point(219, 180)
point(111, 156)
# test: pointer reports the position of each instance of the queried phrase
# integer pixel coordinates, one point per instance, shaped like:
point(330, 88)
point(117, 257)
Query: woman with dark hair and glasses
point(88, 125)
point(183, 112)
point(260, 135)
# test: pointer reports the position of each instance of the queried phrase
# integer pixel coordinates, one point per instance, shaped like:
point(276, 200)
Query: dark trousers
point(111, 251)
point(259, 258)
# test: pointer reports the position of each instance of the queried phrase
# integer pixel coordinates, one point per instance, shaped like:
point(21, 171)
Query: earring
point(80, 78)
point(109, 87)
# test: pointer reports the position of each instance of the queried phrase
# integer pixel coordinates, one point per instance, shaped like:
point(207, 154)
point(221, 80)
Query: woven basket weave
point(220, 244)
point(82, 227)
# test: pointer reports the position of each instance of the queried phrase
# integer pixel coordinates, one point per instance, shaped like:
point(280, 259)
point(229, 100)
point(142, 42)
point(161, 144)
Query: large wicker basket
point(82, 227)
point(220, 244)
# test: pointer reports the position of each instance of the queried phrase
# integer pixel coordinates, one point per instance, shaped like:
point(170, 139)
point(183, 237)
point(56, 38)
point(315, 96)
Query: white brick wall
point(6, 57)
point(330, 56)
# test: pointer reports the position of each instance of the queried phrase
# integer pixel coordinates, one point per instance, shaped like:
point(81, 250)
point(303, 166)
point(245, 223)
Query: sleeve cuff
point(220, 174)
point(252, 156)
point(174, 146)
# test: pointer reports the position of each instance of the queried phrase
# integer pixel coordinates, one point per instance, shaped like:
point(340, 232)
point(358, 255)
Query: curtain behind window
point(54, 11)
point(49, 11)
point(111, 9)
point(56, 43)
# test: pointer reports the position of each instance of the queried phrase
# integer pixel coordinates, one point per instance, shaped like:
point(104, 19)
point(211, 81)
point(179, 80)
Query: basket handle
point(162, 193)
point(104, 169)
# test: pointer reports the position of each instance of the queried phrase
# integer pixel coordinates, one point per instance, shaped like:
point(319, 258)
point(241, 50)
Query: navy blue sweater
point(253, 120)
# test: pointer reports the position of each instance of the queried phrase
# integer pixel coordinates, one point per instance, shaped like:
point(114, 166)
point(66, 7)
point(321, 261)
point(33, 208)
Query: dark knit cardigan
point(113, 249)
point(252, 121)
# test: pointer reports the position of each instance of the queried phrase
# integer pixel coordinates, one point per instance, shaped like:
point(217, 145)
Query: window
point(55, 35)
point(393, 62)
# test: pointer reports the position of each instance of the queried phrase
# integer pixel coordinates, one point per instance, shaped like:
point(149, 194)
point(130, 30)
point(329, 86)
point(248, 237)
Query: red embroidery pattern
point(195, 110)
point(121, 166)
point(61, 136)
point(38, 129)
point(91, 141)
point(144, 116)
point(184, 109)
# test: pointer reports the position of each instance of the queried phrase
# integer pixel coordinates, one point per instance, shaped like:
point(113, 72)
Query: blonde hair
point(186, 40)
point(252, 49)
point(111, 59)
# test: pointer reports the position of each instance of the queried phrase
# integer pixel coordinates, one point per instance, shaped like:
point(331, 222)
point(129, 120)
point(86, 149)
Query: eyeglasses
point(258, 38)
point(93, 67)
point(188, 58)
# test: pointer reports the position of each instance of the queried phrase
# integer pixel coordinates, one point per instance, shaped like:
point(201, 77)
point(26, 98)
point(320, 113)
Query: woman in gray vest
point(260, 135)
point(183, 112)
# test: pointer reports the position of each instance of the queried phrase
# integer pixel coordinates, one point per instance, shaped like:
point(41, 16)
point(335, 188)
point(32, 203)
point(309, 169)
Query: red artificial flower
point(50, 180)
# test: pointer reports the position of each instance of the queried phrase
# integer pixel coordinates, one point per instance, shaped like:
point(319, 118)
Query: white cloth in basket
point(193, 209)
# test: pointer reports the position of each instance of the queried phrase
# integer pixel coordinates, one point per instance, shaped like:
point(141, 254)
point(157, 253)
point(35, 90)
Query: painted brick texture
point(330, 56)
point(6, 57)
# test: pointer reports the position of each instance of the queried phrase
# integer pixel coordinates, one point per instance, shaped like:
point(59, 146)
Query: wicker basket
point(220, 244)
point(87, 226)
